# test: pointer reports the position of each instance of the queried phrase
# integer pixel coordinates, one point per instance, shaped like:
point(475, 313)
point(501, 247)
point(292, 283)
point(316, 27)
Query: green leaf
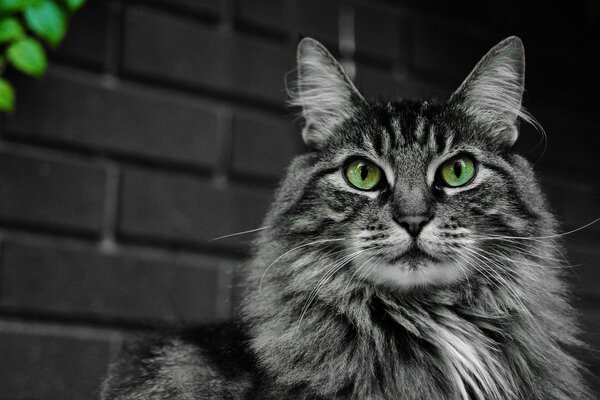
point(7, 95)
point(10, 29)
point(47, 20)
point(28, 56)
point(15, 5)
point(74, 5)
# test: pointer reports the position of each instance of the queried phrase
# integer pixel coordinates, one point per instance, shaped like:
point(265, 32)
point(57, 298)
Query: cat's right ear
point(493, 92)
point(324, 91)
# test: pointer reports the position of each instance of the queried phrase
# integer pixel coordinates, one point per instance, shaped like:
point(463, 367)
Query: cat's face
point(407, 193)
point(413, 187)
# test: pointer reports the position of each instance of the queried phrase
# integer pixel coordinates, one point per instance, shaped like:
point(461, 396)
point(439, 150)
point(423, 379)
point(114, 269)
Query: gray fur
point(489, 319)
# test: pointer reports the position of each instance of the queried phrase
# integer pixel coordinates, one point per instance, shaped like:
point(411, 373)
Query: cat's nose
point(414, 223)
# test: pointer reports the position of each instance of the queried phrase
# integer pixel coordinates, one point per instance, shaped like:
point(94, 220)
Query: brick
point(263, 145)
point(83, 282)
point(46, 192)
point(447, 50)
point(270, 14)
point(375, 82)
point(379, 33)
point(42, 364)
point(158, 45)
point(185, 209)
point(86, 39)
point(117, 118)
point(320, 20)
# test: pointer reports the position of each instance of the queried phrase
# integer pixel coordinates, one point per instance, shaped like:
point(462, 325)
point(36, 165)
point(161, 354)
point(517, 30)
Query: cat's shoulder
point(203, 363)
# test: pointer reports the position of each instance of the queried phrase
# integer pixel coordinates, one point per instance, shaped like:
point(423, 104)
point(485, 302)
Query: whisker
point(514, 245)
point(548, 236)
point(368, 271)
point(502, 282)
point(464, 270)
point(294, 249)
point(512, 273)
point(332, 271)
point(355, 272)
point(512, 260)
point(329, 253)
point(471, 262)
point(239, 233)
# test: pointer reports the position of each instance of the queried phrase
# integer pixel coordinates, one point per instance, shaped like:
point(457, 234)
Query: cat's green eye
point(363, 174)
point(457, 171)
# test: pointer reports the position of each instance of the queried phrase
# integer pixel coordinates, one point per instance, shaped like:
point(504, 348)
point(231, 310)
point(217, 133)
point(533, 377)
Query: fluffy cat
point(408, 255)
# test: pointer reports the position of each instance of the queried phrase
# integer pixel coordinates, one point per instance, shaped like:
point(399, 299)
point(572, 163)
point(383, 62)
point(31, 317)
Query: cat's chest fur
point(378, 349)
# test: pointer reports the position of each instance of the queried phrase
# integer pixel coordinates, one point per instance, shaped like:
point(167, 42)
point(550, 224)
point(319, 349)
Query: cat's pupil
point(364, 172)
point(457, 168)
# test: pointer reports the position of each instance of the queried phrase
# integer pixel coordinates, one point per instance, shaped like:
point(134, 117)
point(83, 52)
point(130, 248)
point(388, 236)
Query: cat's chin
point(422, 274)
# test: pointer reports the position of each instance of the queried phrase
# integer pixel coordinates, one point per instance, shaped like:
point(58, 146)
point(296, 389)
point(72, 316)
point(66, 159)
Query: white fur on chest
point(472, 362)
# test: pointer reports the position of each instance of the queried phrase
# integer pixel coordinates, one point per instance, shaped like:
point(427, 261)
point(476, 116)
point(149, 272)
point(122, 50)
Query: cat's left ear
point(493, 92)
point(324, 91)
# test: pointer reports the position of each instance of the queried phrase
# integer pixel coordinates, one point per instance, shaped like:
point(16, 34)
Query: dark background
point(161, 125)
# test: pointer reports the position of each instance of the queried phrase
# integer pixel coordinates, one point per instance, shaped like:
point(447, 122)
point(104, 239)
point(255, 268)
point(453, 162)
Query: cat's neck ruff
point(377, 344)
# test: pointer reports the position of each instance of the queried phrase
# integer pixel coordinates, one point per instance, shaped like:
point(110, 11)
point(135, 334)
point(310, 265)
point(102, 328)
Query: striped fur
point(335, 309)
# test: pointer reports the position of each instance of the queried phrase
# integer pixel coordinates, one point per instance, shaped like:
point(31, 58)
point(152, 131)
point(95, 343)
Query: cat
point(409, 254)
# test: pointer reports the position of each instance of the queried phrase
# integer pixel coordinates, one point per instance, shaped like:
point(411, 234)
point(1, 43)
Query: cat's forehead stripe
point(390, 132)
point(430, 141)
point(418, 133)
point(396, 136)
point(408, 129)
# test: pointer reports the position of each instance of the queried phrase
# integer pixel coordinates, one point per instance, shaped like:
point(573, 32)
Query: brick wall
point(160, 126)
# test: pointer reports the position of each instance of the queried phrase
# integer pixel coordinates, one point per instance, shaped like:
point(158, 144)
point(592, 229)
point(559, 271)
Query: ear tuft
point(324, 92)
point(493, 91)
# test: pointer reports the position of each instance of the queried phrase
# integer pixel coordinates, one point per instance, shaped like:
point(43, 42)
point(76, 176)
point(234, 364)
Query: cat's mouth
point(416, 267)
point(413, 257)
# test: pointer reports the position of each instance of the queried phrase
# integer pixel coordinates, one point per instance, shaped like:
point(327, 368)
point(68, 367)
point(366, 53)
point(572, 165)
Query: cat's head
point(407, 193)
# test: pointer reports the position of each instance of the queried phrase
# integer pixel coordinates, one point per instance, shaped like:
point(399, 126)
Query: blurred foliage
point(24, 26)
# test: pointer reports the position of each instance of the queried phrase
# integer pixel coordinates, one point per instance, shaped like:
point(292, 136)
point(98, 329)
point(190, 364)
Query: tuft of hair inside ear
point(493, 92)
point(323, 91)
